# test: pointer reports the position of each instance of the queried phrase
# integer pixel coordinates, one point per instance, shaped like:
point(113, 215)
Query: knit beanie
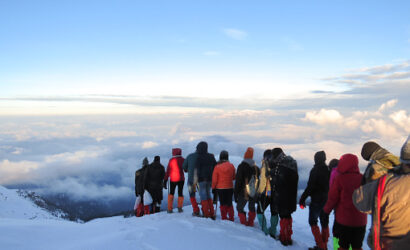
point(224, 155)
point(368, 149)
point(320, 157)
point(405, 152)
point(276, 152)
point(333, 163)
point(248, 153)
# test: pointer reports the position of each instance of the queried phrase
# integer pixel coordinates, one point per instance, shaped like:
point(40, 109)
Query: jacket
point(318, 184)
point(284, 183)
point(244, 172)
point(381, 161)
point(205, 163)
point(394, 227)
point(174, 168)
point(340, 193)
point(154, 176)
point(223, 175)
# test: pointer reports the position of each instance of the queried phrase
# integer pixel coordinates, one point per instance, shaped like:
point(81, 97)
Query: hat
point(248, 153)
point(145, 162)
point(223, 156)
point(320, 157)
point(276, 152)
point(368, 149)
point(156, 158)
point(405, 152)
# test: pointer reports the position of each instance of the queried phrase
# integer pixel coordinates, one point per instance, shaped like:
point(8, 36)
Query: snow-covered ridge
point(18, 204)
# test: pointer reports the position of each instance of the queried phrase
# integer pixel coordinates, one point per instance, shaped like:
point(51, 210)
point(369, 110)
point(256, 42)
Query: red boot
point(195, 207)
point(224, 211)
point(146, 209)
point(289, 231)
point(205, 208)
point(211, 209)
point(140, 210)
point(318, 237)
point(231, 213)
point(251, 219)
point(325, 235)
point(242, 218)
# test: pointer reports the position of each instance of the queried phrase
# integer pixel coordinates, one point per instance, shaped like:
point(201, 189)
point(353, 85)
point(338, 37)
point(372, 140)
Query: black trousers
point(173, 185)
point(315, 212)
point(351, 236)
point(225, 196)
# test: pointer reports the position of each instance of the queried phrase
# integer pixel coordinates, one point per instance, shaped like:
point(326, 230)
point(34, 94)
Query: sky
point(89, 88)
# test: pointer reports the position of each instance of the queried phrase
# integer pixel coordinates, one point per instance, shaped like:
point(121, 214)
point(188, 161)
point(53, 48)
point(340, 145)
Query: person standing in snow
point(317, 188)
point(153, 180)
point(189, 167)
point(246, 169)
point(284, 185)
point(222, 181)
point(205, 164)
point(139, 187)
point(352, 223)
point(176, 175)
point(265, 199)
point(380, 161)
point(387, 199)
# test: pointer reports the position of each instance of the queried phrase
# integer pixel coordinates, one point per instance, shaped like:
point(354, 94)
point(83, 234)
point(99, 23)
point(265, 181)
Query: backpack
point(253, 184)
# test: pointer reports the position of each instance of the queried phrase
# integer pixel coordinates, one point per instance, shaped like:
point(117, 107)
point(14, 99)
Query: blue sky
point(235, 49)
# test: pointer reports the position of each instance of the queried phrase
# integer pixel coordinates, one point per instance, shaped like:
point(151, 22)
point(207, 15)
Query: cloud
point(324, 116)
point(149, 144)
point(402, 119)
point(235, 34)
point(387, 105)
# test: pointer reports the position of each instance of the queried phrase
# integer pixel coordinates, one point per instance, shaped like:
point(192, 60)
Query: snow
point(25, 226)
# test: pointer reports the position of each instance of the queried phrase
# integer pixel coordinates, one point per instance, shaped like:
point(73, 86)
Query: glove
point(301, 206)
point(165, 184)
point(302, 203)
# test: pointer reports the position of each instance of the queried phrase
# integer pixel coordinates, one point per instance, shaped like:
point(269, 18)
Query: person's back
point(205, 163)
point(154, 182)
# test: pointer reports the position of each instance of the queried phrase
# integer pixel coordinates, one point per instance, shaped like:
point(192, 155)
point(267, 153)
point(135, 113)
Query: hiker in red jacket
point(176, 175)
point(352, 223)
point(222, 182)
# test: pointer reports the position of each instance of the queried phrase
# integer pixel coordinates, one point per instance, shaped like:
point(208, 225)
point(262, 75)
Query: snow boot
point(274, 219)
point(170, 201)
point(224, 212)
point(180, 204)
point(289, 231)
point(251, 219)
point(262, 223)
point(242, 218)
point(205, 208)
point(231, 213)
point(318, 237)
point(325, 235)
point(211, 209)
point(146, 209)
point(140, 210)
point(195, 207)
point(283, 231)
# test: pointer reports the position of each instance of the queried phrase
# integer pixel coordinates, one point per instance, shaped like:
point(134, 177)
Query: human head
point(368, 149)
point(157, 158)
point(202, 147)
point(276, 152)
point(224, 155)
point(333, 163)
point(249, 153)
point(267, 154)
point(320, 157)
point(145, 161)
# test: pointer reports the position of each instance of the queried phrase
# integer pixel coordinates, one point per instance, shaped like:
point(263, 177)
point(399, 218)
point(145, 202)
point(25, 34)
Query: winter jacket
point(340, 193)
point(223, 175)
point(205, 163)
point(246, 169)
point(381, 161)
point(394, 209)
point(284, 183)
point(318, 184)
point(189, 167)
point(154, 176)
point(174, 168)
point(139, 180)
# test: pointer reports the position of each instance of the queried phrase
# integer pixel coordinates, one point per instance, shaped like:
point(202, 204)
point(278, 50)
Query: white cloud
point(236, 34)
point(402, 119)
point(149, 144)
point(324, 116)
point(11, 172)
point(388, 105)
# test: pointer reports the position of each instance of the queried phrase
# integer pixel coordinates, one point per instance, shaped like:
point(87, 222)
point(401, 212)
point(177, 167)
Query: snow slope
point(28, 227)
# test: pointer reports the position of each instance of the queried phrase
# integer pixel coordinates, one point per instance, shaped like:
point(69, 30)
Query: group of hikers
point(382, 191)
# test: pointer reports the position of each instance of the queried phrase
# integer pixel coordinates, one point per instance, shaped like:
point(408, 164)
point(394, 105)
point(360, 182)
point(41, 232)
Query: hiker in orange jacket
point(222, 182)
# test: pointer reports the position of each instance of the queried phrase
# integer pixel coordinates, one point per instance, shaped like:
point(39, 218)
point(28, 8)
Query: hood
point(348, 163)
point(224, 156)
point(320, 157)
point(157, 158)
point(250, 162)
point(202, 148)
point(176, 152)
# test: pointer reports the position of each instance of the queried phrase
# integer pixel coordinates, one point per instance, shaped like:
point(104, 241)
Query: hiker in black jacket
point(139, 187)
point(153, 182)
point(317, 188)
